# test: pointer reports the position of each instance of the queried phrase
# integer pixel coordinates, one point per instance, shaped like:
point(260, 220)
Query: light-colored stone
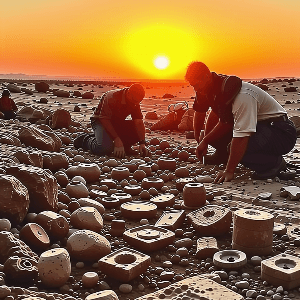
point(54, 267)
point(87, 245)
point(34, 137)
point(87, 218)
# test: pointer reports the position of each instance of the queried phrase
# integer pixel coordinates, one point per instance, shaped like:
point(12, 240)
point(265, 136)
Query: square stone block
point(206, 247)
point(211, 220)
point(124, 264)
point(171, 219)
point(148, 237)
point(282, 269)
point(196, 287)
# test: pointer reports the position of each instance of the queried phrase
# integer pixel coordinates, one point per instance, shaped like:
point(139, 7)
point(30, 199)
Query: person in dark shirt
point(113, 131)
point(7, 105)
point(244, 124)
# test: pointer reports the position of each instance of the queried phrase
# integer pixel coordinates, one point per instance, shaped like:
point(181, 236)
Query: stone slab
point(196, 287)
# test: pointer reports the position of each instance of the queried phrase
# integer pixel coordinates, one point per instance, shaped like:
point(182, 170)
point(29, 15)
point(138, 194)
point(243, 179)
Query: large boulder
point(61, 93)
point(87, 245)
point(88, 95)
point(9, 139)
point(27, 91)
point(12, 246)
point(33, 158)
point(34, 137)
point(13, 88)
point(14, 202)
point(60, 119)
point(42, 87)
point(55, 161)
point(41, 185)
point(28, 113)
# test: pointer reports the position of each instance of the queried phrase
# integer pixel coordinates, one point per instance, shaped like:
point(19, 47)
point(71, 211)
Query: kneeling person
point(112, 131)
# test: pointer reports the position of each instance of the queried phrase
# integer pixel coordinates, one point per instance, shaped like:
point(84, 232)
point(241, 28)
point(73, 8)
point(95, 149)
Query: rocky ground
point(178, 260)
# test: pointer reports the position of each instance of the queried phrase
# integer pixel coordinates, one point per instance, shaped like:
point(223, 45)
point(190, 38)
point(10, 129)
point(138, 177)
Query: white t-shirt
point(252, 104)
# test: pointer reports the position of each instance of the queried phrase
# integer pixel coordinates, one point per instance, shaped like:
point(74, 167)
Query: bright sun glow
point(161, 51)
point(161, 62)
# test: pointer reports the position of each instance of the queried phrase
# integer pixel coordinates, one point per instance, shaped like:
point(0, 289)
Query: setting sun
point(161, 62)
point(160, 51)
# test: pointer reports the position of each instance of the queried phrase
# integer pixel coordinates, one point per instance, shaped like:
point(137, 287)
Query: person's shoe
point(217, 158)
point(81, 139)
point(78, 141)
point(271, 173)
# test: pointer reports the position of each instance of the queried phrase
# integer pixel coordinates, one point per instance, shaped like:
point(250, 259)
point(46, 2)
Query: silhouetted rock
point(42, 87)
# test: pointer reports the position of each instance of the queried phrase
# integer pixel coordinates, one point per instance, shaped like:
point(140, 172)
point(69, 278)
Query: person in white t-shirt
point(243, 119)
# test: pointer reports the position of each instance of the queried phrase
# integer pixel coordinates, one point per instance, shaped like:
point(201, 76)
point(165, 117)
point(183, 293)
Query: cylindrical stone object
point(194, 195)
point(253, 232)
point(54, 267)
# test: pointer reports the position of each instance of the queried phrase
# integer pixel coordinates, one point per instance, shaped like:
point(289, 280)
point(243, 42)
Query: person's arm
point(198, 124)
point(140, 129)
point(237, 150)
point(119, 150)
point(218, 131)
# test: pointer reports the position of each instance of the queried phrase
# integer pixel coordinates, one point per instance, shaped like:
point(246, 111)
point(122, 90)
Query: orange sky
point(117, 38)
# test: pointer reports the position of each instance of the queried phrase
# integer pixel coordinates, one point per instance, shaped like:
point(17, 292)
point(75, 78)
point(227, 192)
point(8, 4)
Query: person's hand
point(144, 151)
point(119, 150)
point(201, 150)
point(224, 176)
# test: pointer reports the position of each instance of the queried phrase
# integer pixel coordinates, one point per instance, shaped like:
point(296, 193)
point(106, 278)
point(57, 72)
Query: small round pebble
point(80, 265)
point(256, 260)
point(144, 222)
point(125, 288)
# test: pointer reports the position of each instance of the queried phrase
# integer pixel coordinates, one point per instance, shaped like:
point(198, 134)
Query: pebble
point(277, 297)
point(103, 285)
point(222, 274)
point(251, 293)
point(80, 265)
point(144, 222)
point(125, 288)
point(242, 284)
point(279, 289)
point(256, 260)
point(182, 252)
point(246, 275)
point(167, 264)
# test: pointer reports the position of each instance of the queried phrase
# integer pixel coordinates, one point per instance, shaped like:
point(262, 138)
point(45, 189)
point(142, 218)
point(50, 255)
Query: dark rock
point(88, 95)
point(290, 89)
point(42, 87)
